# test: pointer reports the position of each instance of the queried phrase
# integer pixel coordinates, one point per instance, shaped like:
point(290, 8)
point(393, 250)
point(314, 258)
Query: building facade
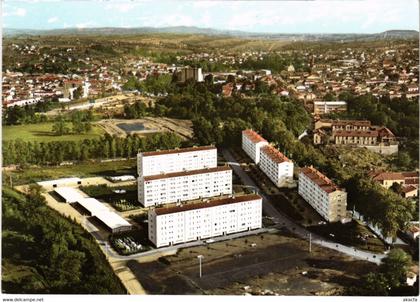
point(183, 186)
point(252, 143)
point(276, 166)
point(324, 107)
point(194, 221)
point(322, 194)
point(176, 160)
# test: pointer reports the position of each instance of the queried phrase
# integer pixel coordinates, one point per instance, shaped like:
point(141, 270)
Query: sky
point(323, 16)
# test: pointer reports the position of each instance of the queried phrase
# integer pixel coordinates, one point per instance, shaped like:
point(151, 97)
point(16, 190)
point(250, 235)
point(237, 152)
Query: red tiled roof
point(187, 173)
point(253, 136)
point(409, 188)
point(320, 179)
point(201, 205)
point(174, 151)
point(274, 154)
point(351, 122)
point(368, 133)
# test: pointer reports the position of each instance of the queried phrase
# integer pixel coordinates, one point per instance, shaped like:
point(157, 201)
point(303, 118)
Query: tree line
point(45, 253)
point(281, 120)
point(55, 152)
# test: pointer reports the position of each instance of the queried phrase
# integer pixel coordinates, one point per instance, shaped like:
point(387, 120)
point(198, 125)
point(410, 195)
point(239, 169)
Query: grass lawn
point(86, 169)
point(43, 133)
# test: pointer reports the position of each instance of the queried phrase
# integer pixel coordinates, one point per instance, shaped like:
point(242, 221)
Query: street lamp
point(199, 261)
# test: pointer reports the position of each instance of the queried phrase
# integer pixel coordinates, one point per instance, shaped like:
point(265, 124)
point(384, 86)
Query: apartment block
point(252, 143)
point(276, 166)
point(322, 194)
point(205, 219)
point(176, 160)
point(183, 186)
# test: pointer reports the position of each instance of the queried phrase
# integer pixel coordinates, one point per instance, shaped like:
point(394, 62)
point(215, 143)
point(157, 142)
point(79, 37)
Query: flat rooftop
point(69, 194)
point(175, 151)
point(205, 204)
point(111, 219)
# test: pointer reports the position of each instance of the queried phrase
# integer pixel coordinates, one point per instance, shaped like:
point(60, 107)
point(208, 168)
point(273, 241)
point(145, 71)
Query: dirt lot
point(274, 266)
point(153, 124)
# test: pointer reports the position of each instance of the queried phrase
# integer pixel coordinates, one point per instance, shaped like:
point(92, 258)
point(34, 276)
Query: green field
point(87, 169)
point(43, 133)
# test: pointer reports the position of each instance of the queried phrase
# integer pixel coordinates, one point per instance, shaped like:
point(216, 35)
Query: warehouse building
point(195, 221)
point(68, 194)
point(183, 186)
point(92, 206)
point(322, 194)
point(176, 160)
point(276, 166)
point(252, 142)
point(109, 219)
point(113, 222)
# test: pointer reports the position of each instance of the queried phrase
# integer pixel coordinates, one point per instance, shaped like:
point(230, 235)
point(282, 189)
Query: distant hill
point(107, 31)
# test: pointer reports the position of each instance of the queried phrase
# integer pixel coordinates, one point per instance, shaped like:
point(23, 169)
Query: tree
point(59, 127)
point(395, 267)
point(371, 285)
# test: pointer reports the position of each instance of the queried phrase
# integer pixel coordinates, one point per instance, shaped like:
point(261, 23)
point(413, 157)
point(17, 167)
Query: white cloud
point(122, 7)
point(52, 20)
point(85, 24)
point(17, 12)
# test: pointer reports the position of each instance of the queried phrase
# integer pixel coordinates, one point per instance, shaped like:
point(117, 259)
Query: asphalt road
point(282, 220)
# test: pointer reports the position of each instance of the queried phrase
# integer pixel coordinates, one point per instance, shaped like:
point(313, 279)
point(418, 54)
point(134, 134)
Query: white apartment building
point(201, 220)
point(182, 186)
point(322, 194)
point(176, 160)
point(276, 166)
point(252, 143)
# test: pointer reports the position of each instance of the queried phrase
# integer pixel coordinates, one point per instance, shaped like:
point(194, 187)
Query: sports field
point(43, 133)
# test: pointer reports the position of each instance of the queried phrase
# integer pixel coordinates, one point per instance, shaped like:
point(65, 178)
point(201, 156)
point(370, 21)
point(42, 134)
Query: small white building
point(322, 194)
point(252, 143)
point(194, 221)
point(276, 166)
point(182, 186)
point(176, 160)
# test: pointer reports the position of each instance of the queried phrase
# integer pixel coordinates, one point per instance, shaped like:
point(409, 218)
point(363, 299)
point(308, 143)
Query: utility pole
point(199, 261)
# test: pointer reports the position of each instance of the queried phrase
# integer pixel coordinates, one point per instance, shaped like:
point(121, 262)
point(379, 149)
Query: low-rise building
point(276, 166)
point(322, 194)
point(409, 181)
point(357, 133)
point(183, 186)
point(206, 219)
point(325, 107)
point(176, 160)
point(252, 143)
